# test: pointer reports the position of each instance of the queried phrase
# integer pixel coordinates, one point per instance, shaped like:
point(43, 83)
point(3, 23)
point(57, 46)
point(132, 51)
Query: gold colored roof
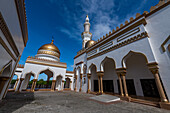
point(89, 43)
point(50, 47)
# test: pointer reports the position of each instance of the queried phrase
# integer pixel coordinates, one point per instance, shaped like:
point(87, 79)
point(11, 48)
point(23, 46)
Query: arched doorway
point(14, 82)
point(28, 81)
point(94, 78)
point(110, 77)
point(5, 78)
point(44, 81)
point(67, 83)
point(139, 79)
point(59, 82)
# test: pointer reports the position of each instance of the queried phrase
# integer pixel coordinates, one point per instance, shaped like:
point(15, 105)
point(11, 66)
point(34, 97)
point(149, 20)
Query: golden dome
point(89, 43)
point(50, 47)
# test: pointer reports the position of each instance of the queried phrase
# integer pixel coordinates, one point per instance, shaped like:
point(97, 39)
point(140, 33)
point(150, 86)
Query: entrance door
point(149, 88)
point(130, 87)
point(96, 88)
point(108, 86)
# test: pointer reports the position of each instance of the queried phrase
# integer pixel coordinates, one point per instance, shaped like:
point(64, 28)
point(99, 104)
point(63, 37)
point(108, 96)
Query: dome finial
point(52, 41)
point(87, 16)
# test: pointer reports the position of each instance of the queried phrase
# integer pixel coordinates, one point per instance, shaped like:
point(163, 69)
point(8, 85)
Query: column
point(159, 85)
point(35, 81)
point(62, 84)
point(47, 82)
point(53, 85)
point(101, 80)
point(99, 83)
point(21, 79)
point(120, 84)
point(88, 76)
point(32, 86)
point(153, 67)
point(70, 84)
point(75, 83)
point(16, 84)
point(124, 84)
point(81, 76)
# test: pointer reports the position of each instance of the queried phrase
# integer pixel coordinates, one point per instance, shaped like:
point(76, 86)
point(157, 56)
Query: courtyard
point(67, 102)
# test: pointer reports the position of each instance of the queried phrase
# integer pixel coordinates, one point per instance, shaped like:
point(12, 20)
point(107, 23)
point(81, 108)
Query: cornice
point(7, 34)
point(20, 7)
point(47, 64)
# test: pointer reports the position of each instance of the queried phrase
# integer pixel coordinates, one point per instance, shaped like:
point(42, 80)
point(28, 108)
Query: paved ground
point(67, 102)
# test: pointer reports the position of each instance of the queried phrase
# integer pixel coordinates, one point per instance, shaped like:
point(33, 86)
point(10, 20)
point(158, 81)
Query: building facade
point(13, 39)
point(47, 60)
point(131, 61)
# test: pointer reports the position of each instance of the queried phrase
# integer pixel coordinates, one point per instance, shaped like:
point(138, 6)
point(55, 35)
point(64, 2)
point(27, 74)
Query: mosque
point(47, 60)
point(132, 61)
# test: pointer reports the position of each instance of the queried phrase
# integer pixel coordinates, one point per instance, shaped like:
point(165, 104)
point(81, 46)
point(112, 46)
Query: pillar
point(16, 84)
point(21, 79)
point(88, 76)
point(70, 84)
point(81, 76)
point(53, 85)
point(75, 83)
point(33, 85)
point(153, 67)
point(62, 84)
point(100, 81)
point(124, 84)
point(120, 84)
point(121, 73)
point(48, 79)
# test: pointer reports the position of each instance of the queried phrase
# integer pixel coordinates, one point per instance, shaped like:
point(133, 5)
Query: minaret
point(86, 35)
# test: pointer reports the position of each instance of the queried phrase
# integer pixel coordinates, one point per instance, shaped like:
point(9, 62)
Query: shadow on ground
point(14, 101)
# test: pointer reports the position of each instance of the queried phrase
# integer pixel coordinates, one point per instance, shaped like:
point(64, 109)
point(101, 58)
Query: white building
point(13, 39)
point(46, 61)
point(131, 61)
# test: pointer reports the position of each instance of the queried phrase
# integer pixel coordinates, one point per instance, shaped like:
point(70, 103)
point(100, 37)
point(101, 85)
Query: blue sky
point(64, 19)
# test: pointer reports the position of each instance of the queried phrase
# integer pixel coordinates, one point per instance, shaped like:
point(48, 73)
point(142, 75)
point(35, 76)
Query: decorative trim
point(121, 70)
point(79, 63)
point(7, 34)
point(7, 49)
point(162, 45)
point(128, 41)
point(128, 34)
point(20, 66)
point(45, 64)
point(69, 72)
point(6, 65)
point(20, 6)
point(69, 76)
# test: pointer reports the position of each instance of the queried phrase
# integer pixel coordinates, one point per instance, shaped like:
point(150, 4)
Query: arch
point(90, 67)
point(130, 53)
point(58, 85)
point(84, 69)
point(67, 82)
point(79, 68)
point(103, 62)
point(44, 70)
point(6, 70)
point(139, 79)
point(109, 80)
point(32, 73)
